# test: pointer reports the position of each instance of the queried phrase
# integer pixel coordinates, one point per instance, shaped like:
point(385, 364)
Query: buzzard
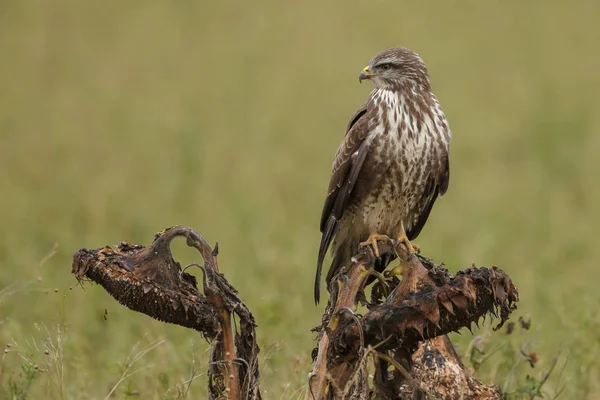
point(391, 165)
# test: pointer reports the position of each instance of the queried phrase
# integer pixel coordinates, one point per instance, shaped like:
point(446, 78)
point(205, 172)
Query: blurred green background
point(119, 119)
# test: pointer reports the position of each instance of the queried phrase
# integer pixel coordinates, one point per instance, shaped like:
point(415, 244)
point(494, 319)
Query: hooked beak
point(366, 74)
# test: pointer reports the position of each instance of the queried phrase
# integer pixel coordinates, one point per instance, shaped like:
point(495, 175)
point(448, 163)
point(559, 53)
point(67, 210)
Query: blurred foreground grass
point(119, 119)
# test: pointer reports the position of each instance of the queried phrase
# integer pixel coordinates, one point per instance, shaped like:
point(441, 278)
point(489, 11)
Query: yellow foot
point(396, 271)
point(412, 247)
point(372, 241)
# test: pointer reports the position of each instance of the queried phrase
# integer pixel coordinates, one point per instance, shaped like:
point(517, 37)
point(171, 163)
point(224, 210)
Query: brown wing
point(437, 184)
point(342, 161)
point(347, 164)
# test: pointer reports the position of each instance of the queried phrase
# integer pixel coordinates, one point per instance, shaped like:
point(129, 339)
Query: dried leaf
point(460, 301)
point(447, 304)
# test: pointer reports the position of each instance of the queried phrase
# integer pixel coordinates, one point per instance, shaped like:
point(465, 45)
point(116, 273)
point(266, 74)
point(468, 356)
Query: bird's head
point(395, 67)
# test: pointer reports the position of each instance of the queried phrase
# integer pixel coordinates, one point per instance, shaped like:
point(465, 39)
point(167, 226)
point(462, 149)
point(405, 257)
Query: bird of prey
point(391, 165)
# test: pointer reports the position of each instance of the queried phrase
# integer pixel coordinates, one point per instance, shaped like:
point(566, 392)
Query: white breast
point(402, 158)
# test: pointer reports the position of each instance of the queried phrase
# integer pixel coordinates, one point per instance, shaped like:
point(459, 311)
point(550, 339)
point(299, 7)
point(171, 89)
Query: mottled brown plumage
point(392, 163)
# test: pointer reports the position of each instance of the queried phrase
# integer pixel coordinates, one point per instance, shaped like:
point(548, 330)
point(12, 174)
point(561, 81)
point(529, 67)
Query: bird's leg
point(372, 241)
point(411, 247)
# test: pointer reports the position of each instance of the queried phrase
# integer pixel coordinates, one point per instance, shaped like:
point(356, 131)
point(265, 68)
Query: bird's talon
point(396, 271)
point(372, 241)
point(410, 247)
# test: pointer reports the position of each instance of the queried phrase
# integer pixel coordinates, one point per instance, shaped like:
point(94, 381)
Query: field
point(119, 119)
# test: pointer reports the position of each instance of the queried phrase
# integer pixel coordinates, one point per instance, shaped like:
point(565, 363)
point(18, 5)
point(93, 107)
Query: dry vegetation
point(397, 348)
point(118, 118)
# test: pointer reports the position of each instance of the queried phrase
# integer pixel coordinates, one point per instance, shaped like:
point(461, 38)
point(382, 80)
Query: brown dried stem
point(343, 302)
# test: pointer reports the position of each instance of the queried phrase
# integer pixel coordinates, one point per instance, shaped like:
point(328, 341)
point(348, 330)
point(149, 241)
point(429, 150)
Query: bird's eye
point(385, 67)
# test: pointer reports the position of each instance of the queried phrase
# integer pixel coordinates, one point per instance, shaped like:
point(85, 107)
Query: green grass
point(119, 119)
